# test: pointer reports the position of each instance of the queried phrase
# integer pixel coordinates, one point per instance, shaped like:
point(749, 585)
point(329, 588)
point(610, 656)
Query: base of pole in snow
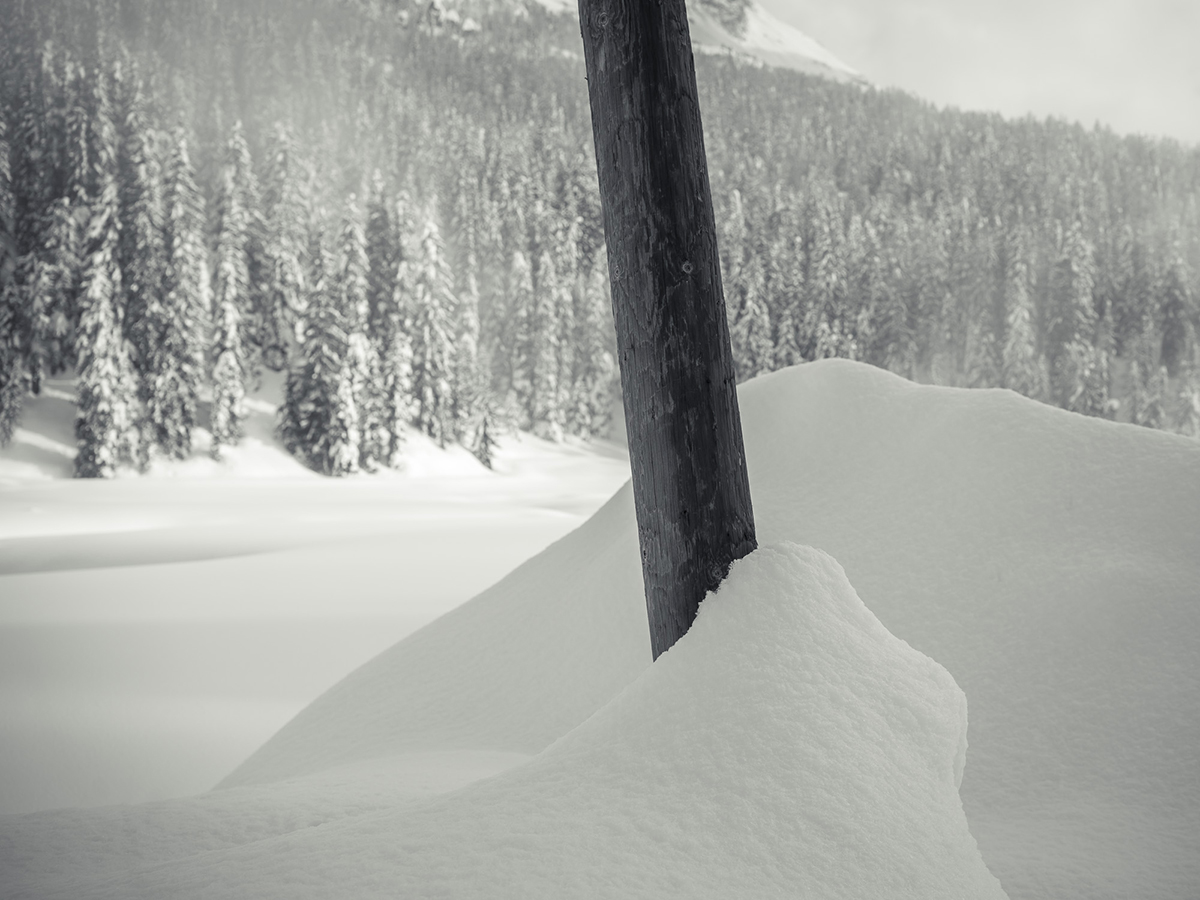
point(690, 486)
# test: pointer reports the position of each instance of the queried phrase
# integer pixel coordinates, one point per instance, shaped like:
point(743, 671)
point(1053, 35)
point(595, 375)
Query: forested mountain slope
point(396, 203)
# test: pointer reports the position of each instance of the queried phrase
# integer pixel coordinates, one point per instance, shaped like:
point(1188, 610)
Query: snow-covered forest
point(397, 206)
point(248, 244)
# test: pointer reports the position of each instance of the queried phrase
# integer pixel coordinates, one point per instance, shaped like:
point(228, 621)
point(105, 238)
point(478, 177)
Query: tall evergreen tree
point(433, 301)
point(12, 370)
point(545, 408)
point(1021, 368)
point(516, 333)
point(231, 295)
point(468, 388)
point(1078, 371)
point(106, 423)
point(141, 250)
point(319, 421)
point(388, 327)
point(279, 288)
point(362, 357)
point(1177, 314)
point(593, 387)
point(178, 319)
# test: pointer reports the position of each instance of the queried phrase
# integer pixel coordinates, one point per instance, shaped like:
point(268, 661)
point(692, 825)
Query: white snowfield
point(788, 745)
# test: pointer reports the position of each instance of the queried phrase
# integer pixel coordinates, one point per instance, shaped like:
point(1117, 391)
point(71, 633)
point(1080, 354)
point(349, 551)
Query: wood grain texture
point(691, 491)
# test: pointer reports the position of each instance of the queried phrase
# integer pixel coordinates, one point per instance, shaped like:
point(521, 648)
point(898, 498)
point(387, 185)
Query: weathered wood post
point(690, 487)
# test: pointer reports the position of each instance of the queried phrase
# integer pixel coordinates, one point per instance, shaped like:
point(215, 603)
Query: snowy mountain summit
point(745, 29)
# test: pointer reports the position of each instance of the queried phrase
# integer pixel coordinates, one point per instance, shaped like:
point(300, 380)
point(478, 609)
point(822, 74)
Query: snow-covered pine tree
point(106, 423)
point(279, 287)
point(318, 420)
point(750, 324)
point(141, 250)
point(433, 301)
point(1176, 314)
point(1146, 401)
point(545, 411)
point(1154, 413)
point(1021, 368)
point(484, 445)
point(1186, 412)
point(12, 369)
point(518, 323)
point(1077, 368)
point(178, 319)
point(50, 216)
point(825, 284)
point(567, 301)
point(362, 358)
point(231, 296)
point(593, 387)
point(785, 272)
point(468, 389)
point(387, 286)
point(743, 277)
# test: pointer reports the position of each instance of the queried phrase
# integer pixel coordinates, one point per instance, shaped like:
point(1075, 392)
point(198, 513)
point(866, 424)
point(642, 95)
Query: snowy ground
point(789, 745)
point(154, 631)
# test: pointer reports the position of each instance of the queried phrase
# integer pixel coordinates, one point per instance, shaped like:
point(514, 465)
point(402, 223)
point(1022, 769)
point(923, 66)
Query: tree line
point(402, 215)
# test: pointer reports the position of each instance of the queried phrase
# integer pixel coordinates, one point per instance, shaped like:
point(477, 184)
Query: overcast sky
point(1131, 64)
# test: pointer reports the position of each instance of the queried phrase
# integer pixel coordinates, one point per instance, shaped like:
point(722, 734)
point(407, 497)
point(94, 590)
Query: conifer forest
point(395, 205)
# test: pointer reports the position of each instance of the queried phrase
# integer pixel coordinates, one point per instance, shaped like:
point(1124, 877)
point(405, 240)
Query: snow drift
point(1049, 561)
point(788, 745)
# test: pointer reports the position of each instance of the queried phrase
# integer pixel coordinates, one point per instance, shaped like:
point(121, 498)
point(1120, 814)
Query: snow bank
point(1049, 561)
point(788, 745)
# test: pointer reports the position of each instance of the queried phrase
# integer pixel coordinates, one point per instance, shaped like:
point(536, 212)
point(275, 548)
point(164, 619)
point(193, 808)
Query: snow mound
point(513, 669)
point(788, 745)
point(1047, 560)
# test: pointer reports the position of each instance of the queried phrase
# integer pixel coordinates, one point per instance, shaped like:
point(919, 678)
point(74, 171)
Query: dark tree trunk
point(685, 435)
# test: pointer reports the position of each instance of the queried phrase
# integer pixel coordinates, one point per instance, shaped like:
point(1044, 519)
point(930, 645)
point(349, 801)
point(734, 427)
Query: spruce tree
point(362, 358)
point(319, 421)
point(1078, 370)
point(12, 370)
point(388, 328)
point(231, 297)
point(141, 250)
point(178, 319)
point(467, 390)
point(518, 346)
point(279, 288)
point(1186, 412)
point(1177, 314)
point(545, 409)
point(1021, 368)
point(593, 388)
point(750, 325)
point(484, 445)
point(105, 426)
point(433, 301)
point(786, 277)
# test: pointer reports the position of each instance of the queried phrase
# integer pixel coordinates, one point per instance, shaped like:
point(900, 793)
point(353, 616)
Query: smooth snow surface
point(787, 746)
point(1048, 561)
point(155, 630)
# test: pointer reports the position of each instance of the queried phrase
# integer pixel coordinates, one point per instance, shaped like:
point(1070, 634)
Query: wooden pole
point(691, 492)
